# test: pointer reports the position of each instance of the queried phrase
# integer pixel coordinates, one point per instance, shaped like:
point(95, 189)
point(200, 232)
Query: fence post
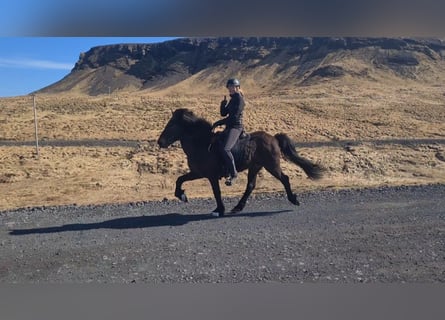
point(35, 124)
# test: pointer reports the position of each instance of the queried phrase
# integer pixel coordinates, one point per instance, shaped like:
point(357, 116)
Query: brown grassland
point(331, 111)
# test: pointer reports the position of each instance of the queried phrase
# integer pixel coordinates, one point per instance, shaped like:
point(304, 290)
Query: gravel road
point(380, 235)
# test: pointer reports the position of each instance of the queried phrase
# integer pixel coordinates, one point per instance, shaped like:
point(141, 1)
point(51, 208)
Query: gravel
point(384, 235)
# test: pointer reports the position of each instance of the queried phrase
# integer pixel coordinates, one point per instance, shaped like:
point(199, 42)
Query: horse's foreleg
point(219, 211)
point(179, 193)
point(251, 183)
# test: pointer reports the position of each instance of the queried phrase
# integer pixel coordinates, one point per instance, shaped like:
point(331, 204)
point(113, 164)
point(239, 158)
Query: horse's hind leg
point(276, 171)
point(251, 183)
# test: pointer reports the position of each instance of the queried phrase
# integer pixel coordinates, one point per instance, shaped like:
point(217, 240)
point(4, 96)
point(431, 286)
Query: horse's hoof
point(217, 213)
point(183, 198)
point(236, 209)
point(294, 200)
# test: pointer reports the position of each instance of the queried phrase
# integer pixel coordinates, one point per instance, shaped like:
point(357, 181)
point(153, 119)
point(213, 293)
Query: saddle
point(241, 151)
point(218, 137)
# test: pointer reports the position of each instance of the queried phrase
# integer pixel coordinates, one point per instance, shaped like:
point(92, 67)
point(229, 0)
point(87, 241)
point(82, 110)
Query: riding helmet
point(233, 82)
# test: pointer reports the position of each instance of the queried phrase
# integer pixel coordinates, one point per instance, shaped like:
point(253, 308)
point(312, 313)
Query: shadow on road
point(171, 219)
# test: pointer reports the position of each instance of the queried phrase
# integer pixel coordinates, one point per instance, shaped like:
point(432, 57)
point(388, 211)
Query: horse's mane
point(189, 119)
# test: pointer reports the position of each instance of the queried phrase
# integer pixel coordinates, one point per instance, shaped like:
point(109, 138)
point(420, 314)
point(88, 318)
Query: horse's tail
point(287, 146)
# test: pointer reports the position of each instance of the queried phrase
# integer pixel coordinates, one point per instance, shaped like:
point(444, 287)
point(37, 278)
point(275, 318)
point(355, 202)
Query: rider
point(234, 125)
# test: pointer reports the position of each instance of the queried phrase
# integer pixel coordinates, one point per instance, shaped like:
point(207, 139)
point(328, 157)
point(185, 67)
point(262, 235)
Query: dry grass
point(329, 111)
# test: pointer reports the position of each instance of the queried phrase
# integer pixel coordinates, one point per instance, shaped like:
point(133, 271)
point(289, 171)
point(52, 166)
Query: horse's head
point(176, 127)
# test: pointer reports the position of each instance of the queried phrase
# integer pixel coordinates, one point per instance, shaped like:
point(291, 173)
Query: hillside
point(370, 111)
point(263, 64)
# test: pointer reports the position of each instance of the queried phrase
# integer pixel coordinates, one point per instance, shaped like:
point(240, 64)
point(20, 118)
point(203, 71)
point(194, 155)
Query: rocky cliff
point(262, 62)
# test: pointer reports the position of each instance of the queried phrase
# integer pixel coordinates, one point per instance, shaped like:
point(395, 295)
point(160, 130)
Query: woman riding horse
point(234, 126)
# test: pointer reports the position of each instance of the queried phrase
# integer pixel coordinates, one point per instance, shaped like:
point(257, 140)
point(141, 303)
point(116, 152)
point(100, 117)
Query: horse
point(259, 150)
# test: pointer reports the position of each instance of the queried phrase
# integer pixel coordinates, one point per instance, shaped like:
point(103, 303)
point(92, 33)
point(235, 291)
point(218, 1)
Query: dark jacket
point(234, 110)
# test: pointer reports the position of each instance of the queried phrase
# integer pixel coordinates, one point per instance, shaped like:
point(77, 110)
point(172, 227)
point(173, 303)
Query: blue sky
point(31, 63)
point(36, 49)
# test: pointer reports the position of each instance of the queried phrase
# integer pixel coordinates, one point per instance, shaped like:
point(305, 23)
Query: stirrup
point(230, 180)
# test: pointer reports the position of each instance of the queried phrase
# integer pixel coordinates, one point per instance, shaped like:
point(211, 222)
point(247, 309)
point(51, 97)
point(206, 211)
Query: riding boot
point(232, 173)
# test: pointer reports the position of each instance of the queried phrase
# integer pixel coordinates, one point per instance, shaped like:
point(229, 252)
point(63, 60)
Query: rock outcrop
point(265, 61)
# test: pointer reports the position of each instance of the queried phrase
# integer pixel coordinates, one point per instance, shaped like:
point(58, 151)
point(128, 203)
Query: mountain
point(262, 63)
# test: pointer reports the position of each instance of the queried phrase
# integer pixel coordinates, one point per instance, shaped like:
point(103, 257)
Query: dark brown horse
point(258, 150)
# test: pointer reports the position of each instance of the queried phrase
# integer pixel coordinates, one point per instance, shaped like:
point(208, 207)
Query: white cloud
point(36, 64)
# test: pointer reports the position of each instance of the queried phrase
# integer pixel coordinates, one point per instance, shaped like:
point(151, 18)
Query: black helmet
point(233, 82)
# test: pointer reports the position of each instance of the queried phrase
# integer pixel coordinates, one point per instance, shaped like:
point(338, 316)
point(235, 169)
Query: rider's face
point(231, 89)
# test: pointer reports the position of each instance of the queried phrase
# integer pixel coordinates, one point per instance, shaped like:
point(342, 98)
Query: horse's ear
point(189, 116)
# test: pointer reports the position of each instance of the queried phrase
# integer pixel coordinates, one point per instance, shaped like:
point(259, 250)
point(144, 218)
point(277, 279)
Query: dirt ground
point(398, 135)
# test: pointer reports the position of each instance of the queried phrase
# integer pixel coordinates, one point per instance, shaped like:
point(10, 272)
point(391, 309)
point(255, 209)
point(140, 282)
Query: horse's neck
point(191, 144)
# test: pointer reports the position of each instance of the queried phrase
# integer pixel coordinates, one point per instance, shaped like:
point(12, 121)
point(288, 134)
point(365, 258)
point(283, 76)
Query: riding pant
point(231, 137)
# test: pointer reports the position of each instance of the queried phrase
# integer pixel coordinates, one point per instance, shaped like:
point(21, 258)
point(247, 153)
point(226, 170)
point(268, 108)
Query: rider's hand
point(217, 124)
point(224, 102)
